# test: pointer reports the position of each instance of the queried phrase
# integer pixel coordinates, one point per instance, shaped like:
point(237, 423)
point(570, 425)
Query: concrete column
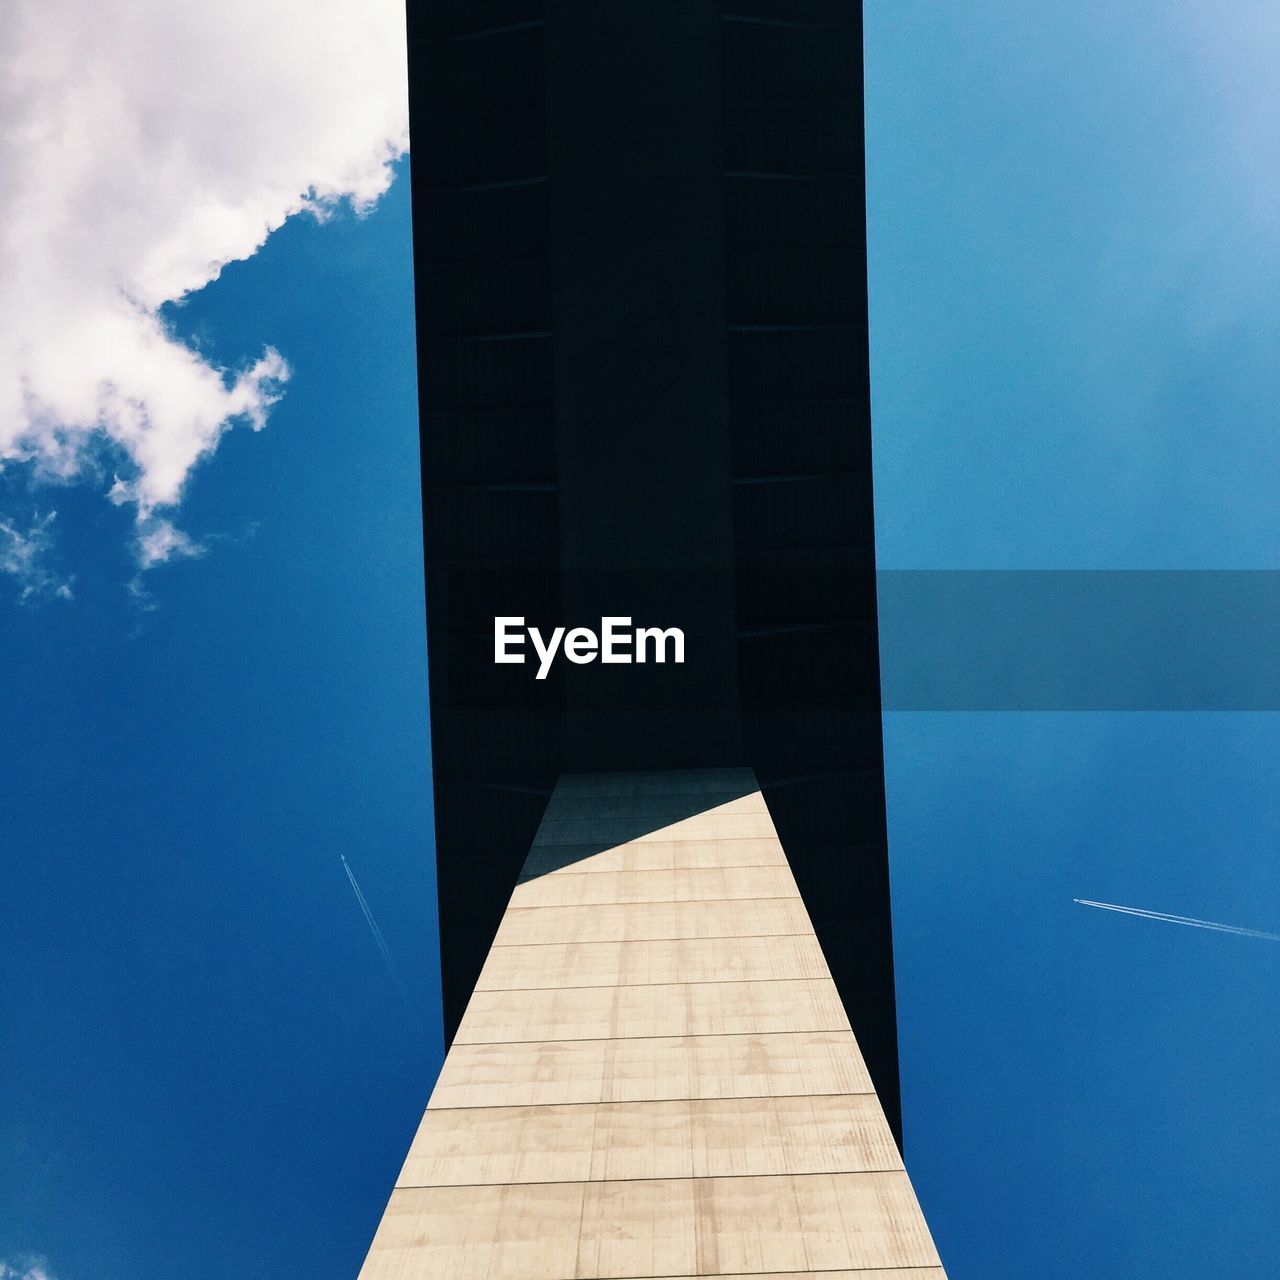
point(655, 1076)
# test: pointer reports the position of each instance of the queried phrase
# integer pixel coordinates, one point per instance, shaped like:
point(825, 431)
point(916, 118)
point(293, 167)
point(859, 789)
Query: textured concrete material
point(655, 1076)
point(655, 921)
point(612, 1013)
point(675, 1138)
point(669, 960)
point(645, 1070)
point(684, 884)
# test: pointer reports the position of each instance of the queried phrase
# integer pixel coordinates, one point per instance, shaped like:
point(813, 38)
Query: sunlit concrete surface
point(670, 960)
point(655, 1076)
point(643, 1070)
point(657, 921)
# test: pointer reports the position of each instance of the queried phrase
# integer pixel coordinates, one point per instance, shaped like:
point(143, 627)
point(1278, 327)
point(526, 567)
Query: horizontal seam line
point(677, 1035)
point(749, 20)
point(820, 326)
point(644, 1102)
point(648, 871)
point(666, 901)
point(615, 942)
point(598, 942)
point(675, 1177)
point(773, 835)
point(527, 335)
point(627, 986)
point(870, 1272)
point(549, 817)
point(662, 902)
point(781, 175)
point(693, 1035)
point(726, 786)
point(498, 31)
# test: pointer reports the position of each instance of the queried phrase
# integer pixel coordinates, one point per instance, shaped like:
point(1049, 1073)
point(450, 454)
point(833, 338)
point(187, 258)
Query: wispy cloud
point(1191, 921)
point(25, 555)
point(26, 1269)
point(159, 540)
point(142, 155)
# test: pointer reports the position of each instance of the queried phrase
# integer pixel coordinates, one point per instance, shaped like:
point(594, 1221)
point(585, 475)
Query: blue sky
point(208, 1070)
point(1073, 271)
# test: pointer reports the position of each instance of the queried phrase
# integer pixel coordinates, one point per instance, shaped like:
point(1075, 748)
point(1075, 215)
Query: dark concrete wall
point(639, 239)
point(640, 369)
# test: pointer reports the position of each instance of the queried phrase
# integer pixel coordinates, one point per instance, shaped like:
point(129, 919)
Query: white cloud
point(142, 148)
point(26, 1269)
point(159, 540)
point(24, 555)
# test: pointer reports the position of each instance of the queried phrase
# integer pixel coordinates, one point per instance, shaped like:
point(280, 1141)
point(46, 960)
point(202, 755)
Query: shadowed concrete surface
point(655, 1076)
point(640, 262)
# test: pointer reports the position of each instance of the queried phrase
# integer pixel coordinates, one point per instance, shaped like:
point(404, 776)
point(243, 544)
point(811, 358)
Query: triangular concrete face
point(655, 1076)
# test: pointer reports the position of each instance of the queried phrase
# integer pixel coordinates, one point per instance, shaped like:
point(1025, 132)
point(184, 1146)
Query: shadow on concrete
point(590, 813)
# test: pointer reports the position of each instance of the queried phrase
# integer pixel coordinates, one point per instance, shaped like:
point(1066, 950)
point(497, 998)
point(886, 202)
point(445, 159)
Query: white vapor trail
point(383, 949)
point(1238, 930)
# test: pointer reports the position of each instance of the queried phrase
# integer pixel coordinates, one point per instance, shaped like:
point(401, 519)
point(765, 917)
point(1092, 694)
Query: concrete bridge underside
point(655, 1076)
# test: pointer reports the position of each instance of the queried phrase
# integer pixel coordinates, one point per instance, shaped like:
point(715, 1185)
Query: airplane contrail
point(1238, 930)
point(381, 942)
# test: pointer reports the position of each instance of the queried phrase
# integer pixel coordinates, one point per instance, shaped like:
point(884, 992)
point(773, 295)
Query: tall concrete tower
point(639, 237)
